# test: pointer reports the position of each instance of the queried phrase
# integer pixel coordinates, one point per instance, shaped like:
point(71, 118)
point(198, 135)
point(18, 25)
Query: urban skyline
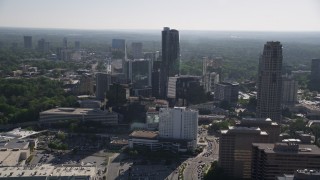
point(250, 15)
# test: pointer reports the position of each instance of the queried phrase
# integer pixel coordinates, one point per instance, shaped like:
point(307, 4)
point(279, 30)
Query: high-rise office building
point(210, 80)
point(270, 82)
point(289, 91)
point(43, 45)
point(77, 45)
point(225, 91)
point(86, 84)
point(315, 75)
point(27, 40)
point(119, 44)
point(65, 43)
point(136, 48)
point(180, 89)
point(103, 81)
point(235, 149)
point(170, 58)
point(271, 160)
point(178, 123)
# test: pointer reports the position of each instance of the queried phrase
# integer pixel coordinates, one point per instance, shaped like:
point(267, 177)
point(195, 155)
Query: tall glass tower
point(170, 58)
point(270, 82)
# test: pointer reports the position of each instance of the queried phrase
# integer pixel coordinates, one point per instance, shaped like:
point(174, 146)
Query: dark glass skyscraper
point(170, 58)
point(315, 75)
point(27, 40)
point(269, 82)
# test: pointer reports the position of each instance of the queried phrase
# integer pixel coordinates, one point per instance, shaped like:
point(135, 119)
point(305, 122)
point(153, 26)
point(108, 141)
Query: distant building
point(235, 150)
point(103, 81)
point(140, 72)
point(136, 48)
point(65, 43)
point(43, 46)
point(179, 123)
point(86, 84)
point(27, 42)
point(225, 91)
point(270, 82)
point(77, 45)
point(180, 87)
point(210, 80)
point(272, 160)
point(155, 79)
point(55, 115)
point(170, 64)
point(119, 44)
point(210, 65)
point(289, 91)
point(315, 75)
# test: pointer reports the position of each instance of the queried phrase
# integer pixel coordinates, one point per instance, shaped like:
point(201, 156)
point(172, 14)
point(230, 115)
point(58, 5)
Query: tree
point(297, 125)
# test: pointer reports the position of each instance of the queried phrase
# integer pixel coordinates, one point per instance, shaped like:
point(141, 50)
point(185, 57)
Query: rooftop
point(18, 133)
point(302, 148)
point(144, 134)
point(244, 130)
point(46, 170)
point(75, 111)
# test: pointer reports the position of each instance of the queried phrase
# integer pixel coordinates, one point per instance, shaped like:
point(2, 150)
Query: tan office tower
point(265, 124)
point(270, 82)
point(235, 149)
point(271, 160)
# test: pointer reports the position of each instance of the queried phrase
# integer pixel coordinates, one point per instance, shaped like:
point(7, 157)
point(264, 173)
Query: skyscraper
point(27, 40)
point(270, 82)
point(103, 80)
point(315, 75)
point(136, 48)
point(65, 43)
point(77, 45)
point(170, 58)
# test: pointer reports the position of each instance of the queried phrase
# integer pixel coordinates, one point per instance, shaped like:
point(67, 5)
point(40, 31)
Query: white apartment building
point(178, 123)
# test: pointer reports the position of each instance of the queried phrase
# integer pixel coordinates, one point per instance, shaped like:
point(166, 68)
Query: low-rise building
point(151, 140)
point(272, 160)
point(49, 172)
point(82, 114)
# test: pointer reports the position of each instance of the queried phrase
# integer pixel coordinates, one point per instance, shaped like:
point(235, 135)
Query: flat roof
point(18, 133)
point(76, 111)
point(15, 143)
point(144, 134)
point(303, 148)
point(47, 170)
point(243, 130)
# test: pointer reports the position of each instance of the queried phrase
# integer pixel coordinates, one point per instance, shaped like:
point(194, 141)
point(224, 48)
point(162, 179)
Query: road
point(195, 165)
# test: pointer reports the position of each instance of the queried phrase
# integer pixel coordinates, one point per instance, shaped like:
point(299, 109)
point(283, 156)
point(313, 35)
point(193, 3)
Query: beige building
point(235, 149)
point(265, 124)
point(49, 172)
point(272, 160)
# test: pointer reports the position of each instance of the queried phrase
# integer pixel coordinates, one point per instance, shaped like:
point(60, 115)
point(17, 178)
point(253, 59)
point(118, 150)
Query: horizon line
point(138, 29)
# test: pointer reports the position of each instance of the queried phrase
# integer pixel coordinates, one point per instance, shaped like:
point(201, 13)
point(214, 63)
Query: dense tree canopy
point(21, 100)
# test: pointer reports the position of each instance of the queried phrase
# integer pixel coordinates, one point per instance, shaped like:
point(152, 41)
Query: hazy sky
point(265, 15)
